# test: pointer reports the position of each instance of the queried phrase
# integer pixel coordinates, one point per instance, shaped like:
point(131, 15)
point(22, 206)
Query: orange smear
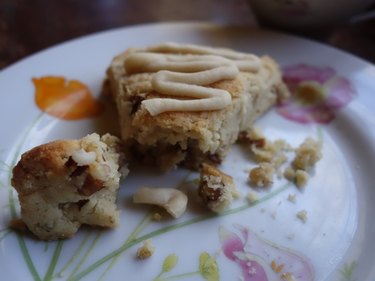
point(68, 100)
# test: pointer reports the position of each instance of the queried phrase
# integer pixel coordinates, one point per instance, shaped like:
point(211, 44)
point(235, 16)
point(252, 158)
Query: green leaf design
point(347, 271)
point(208, 267)
point(170, 262)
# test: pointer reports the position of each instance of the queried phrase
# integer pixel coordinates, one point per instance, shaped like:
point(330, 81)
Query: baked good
point(262, 175)
point(216, 189)
point(66, 183)
point(186, 104)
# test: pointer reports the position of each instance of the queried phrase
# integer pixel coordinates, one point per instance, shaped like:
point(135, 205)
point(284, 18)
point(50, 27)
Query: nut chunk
point(172, 200)
point(216, 188)
point(66, 183)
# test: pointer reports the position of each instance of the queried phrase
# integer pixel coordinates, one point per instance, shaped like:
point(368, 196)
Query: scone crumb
point(281, 145)
point(157, 217)
point(216, 189)
point(279, 160)
point(302, 215)
point(236, 194)
point(262, 153)
point(298, 177)
point(262, 176)
point(252, 197)
point(301, 178)
point(146, 250)
point(290, 174)
point(292, 198)
point(307, 154)
point(272, 152)
point(253, 136)
point(287, 277)
point(255, 133)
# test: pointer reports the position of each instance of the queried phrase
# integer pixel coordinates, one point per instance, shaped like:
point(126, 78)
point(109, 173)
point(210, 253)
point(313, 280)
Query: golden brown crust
point(40, 162)
point(216, 189)
point(193, 136)
point(66, 183)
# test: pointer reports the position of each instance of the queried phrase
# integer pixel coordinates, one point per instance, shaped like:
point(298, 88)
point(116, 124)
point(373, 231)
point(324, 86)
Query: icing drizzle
point(185, 71)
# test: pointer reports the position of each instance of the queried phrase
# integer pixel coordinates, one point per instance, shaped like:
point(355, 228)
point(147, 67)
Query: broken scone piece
point(146, 250)
point(66, 183)
point(216, 189)
point(187, 104)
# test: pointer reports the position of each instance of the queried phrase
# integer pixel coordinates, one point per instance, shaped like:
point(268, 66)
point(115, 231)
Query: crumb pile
point(271, 155)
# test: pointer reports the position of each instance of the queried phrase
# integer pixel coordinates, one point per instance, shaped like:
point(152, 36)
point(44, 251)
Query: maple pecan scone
point(66, 183)
point(186, 104)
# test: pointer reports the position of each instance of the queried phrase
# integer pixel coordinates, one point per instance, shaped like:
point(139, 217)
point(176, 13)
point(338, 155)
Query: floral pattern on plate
point(316, 94)
point(261, 260)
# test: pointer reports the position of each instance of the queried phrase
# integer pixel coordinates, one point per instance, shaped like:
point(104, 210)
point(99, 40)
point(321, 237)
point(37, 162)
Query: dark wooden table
point(27, 26)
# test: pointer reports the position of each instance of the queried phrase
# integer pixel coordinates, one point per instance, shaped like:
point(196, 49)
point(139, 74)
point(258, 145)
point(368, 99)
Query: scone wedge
point(222, 92)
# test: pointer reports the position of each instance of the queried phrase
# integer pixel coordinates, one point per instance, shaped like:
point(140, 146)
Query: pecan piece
point(90, 186)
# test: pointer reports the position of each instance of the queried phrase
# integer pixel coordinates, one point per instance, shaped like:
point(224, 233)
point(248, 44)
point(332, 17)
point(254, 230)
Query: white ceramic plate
point(248, 242)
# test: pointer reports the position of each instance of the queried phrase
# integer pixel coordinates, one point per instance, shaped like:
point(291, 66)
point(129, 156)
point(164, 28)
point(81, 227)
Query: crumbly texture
point(307, 154)
point(157, 217)
point(252, 197)
point(264, 150)
point(216, 189)
point(301, 179)
point(146, 250)
point(302, 216)
point(290, 174)
point(189, 138)
point(272, 155)
point(57, 194)
point(262, 175)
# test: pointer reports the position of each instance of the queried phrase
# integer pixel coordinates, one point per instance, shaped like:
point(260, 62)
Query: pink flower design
point(260, 260)
point(316, 93)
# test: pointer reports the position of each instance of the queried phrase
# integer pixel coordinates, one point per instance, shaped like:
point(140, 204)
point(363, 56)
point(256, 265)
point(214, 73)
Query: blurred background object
point(306, 15)
point(28, 26)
